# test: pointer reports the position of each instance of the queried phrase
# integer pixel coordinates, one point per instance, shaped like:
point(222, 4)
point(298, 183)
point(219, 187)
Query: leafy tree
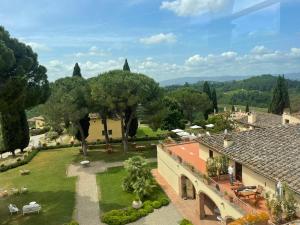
point(280, 100)
point(23, 82)
point(99, 102)
point(124, 89)
point(70, 100)
point(222, 122)
point(23, 85)
point(174, 117)
point(214, 100)
point(76, 71)
point(191, 102)
point(85, 124)
point(139, 179)
point(126, 66)
point(247, 108)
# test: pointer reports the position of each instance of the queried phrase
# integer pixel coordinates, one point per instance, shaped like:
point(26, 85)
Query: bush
point(164, 201)
point(185, 222)
point(148, 208)
point(72, 223)
point(143, 212)
point(156, 204)
point(121, 216)
point(52, 135)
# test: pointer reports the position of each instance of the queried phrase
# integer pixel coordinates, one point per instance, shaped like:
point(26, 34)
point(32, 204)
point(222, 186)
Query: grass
point(145, 130)
point(47, 185)
point(112, 194)
point(99, 152)
point(256, 109)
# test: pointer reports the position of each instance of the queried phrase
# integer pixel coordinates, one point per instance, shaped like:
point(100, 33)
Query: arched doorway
point(187, 188)
point(208, 208)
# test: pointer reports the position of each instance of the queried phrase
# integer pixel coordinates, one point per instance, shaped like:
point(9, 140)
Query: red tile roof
point(189, 152)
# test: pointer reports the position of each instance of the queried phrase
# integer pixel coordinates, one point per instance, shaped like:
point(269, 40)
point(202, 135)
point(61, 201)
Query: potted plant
point(137, 203)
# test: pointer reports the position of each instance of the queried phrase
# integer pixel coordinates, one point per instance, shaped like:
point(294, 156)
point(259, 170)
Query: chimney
point(228, 141)
point(251, 118)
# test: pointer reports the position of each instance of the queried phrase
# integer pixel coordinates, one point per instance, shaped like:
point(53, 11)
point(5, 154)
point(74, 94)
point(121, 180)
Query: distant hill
point(192, 80)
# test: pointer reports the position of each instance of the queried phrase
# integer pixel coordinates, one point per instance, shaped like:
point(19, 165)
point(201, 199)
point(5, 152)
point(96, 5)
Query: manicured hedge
point(26, 160)
point(129, 215)
point(72, 223)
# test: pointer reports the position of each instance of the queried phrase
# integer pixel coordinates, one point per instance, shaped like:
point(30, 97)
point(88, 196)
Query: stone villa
point(260, 157)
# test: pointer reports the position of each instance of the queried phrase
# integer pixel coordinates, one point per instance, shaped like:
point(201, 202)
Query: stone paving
point(87, 211)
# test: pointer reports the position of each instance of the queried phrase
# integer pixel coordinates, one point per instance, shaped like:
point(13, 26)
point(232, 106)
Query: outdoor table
point(85, 163)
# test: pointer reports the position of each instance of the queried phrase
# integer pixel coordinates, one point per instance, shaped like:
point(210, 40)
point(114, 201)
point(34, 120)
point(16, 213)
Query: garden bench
point(31, 208)
point(13, 209)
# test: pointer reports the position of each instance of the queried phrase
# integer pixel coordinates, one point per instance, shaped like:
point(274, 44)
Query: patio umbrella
point(210, 125)
point(177, 130)
point(195, 127)
point(183, 134)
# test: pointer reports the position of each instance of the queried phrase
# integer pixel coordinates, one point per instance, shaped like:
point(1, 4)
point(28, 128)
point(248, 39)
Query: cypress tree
point(24, 130)
point(77, 71)
point(214, 100)
point(280, 100)
point(232, 108)
point(247, 108)
point(206, 89)
point(126, 66)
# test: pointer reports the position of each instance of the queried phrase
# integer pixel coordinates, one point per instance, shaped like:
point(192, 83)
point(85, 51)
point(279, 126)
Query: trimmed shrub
point(148, 208)
point(72, 223)
point(143, 212)
point(185, 222)
point(164, 201)
point(156, 204)
point(26, 160)
point(39, 131)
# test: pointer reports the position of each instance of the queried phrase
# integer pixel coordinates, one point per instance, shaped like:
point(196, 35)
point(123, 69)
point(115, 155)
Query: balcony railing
point(212, 184)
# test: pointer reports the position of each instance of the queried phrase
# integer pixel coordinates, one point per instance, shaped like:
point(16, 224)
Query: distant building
point(259, 158)
point(96, 130)
point(291, 118)
point(37, 122)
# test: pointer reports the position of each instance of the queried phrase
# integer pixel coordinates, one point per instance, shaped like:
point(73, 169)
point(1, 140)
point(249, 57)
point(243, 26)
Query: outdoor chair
point(13, 209)
point(31, 208)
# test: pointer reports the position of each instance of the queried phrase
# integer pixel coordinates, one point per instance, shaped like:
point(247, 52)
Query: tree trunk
point(105, 131)
point(124, 140)
point(83, 142)
point(127, 128)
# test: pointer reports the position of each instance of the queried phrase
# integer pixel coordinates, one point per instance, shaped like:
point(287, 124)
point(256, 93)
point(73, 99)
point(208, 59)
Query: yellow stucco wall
point(96, 128)
point(204, 152)
point(290, 118)
point(172, 171)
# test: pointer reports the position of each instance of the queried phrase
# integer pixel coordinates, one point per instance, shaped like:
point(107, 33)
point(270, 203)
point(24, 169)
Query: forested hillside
point(256, 91)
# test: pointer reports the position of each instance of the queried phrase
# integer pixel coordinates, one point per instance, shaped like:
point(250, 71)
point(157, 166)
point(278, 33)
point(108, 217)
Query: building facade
point(96, 129)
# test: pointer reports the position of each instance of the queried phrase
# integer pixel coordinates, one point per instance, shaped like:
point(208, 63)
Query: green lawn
point(99, 152)
point(112, 194)
point(47, 184)
point(145, 130)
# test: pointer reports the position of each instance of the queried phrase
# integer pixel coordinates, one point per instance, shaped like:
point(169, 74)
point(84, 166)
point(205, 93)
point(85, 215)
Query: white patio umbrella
point(183, 134)
point(210, 125)
point(177, 130)
point(195, 127)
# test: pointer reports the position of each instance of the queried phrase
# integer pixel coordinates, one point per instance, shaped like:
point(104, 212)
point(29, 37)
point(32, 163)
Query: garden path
point(87, 210)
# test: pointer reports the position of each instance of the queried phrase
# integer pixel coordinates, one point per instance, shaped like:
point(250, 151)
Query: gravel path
point(167, 215)
point(87, 211)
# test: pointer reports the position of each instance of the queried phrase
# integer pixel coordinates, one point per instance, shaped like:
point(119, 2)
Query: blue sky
point(164, 39)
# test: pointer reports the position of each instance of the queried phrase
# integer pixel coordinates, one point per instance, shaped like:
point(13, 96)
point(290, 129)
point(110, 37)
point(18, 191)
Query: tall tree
point(125, 89)
point(126, 66)
point(191, 102)
point(214, 100)
point(207, 90)
point(69, 100)
point(280, 100)
point(247, 108)
point(24, 130)
point(76, 71)
point(23, 84)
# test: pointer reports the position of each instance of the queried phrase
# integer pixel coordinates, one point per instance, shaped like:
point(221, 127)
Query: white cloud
point(159, 38)
point(93, 51)
point(254, 62)
point(194, 7)
point(38, 47)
